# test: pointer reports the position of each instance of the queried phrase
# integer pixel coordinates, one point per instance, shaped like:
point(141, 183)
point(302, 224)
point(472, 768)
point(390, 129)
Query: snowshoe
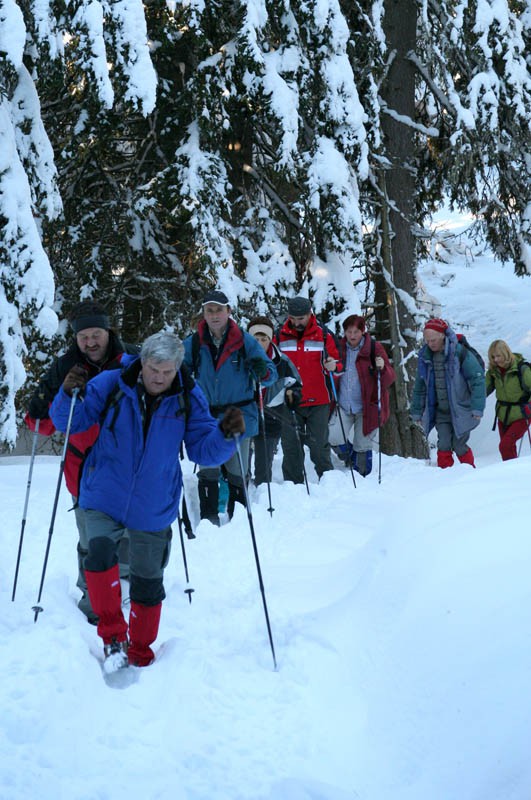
point(115, 656)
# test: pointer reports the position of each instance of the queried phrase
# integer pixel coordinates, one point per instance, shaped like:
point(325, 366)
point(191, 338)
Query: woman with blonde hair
point(510, 377)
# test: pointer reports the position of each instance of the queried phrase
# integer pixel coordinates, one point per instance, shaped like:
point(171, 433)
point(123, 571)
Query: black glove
point(75, 379)
point(38, 407)
point(232, 422)
point(293, 397)
point(258, 367)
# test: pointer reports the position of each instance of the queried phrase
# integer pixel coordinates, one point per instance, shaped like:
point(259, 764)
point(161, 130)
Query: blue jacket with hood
point(133, 476)
point(229, 380)
point(465, 384)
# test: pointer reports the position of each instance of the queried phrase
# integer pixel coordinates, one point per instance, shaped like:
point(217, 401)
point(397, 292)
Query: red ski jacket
point(308, 351)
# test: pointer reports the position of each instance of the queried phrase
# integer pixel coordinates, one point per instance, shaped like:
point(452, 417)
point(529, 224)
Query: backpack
point(525, 405)
point(525, 391)
point(187, 384)
point(461, 338)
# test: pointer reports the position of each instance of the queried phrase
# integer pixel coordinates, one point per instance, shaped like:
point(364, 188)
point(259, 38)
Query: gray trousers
point(149, 553)
point(353, 427)
point(312, 422)
point(82, 551)
point(447, 439)
point(231, 467)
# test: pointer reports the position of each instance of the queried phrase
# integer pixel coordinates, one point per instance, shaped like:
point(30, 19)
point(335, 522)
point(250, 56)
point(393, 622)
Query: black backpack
point(186, 385)
point(525, 391)
point(461, 338)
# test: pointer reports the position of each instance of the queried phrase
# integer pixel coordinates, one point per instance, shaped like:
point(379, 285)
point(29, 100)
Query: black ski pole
point(37, 608)
point(379, 381)
point(180, 521)
point(186, 520)
point(347, 449)
point(262, 419)
point(301, 446)
point(24, 513)
point(255, 548)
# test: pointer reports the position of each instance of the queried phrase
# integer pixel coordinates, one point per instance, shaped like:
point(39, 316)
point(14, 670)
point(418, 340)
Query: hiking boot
point(346, 454)
point(208, 500)
point(363, 461)
point(85, 607)
point(115, 656)
point(236, 495)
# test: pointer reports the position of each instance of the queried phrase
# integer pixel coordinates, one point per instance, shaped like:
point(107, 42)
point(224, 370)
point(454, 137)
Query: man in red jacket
point(365, 361)
point(96, 348)
point(313, 351)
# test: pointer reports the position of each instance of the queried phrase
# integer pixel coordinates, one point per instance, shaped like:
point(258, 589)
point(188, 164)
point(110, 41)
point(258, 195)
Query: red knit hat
point(438, 325)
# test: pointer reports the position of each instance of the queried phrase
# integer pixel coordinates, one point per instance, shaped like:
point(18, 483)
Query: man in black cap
point(314, 353)
point(96, 348)
point(227, 363)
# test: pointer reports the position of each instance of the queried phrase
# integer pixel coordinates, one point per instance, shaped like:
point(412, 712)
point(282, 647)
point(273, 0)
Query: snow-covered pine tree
point(27, 193)
point(474, 60)
point(271, 145)
point(79, 57)
point(455, 117)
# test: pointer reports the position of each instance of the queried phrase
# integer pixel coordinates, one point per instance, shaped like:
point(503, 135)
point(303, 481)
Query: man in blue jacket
point(132, 480)
point(227, 363)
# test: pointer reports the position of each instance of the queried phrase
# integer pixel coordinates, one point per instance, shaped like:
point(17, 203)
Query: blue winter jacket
point(231, 381)
point(134, 479)
point(465, 383)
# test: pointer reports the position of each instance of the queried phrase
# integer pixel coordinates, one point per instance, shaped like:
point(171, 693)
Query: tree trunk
point(395, 322)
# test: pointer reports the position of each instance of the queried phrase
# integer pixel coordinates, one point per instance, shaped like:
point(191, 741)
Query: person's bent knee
point(147, 591)
point(102, 554)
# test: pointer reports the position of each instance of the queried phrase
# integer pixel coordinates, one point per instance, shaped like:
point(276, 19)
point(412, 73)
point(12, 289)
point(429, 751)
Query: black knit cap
point(89, 314)
point(299, 306)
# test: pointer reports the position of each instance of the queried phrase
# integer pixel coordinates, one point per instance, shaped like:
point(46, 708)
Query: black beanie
point(299, 306)
point(89, 314)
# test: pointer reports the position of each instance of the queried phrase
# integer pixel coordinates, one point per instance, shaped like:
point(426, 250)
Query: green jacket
point(508, 390)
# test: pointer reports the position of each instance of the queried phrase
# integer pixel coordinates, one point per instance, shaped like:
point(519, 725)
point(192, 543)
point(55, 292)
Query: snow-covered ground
point(400, 612)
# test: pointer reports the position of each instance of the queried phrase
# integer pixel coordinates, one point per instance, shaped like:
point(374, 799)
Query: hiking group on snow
point(226, 394)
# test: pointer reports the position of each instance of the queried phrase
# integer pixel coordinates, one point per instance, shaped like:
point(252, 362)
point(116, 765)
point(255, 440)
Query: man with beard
point(95, 348)
point(313, 351)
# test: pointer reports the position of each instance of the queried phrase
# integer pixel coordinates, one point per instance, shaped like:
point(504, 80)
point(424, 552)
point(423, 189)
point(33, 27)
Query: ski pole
point(523, 437)
point(262, 418)
point(185, 517)
point(24, 513)
point(180, 521)
point(37, 608)
point(255, 548)
point(301, 446)
point(379, 382)
point(347, 449)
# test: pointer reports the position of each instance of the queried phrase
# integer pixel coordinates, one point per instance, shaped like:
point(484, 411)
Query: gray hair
point(163, 346)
